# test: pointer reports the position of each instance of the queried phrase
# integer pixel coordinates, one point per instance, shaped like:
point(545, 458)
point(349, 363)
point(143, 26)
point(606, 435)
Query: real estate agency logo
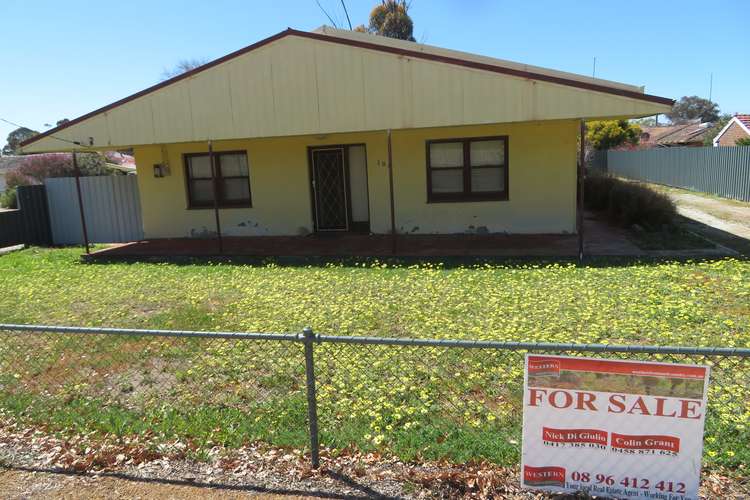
point(544, 367)
point(544, 476)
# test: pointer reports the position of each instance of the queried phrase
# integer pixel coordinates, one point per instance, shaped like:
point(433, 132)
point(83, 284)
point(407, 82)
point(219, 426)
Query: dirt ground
point(37, 465)
point(726, 215)
point(16, 484)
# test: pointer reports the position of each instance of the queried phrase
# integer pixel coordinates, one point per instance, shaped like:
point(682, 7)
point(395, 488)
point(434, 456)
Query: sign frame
point(613, 427)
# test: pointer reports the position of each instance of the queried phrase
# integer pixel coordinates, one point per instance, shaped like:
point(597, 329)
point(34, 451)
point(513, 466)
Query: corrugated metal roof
point(297, 83)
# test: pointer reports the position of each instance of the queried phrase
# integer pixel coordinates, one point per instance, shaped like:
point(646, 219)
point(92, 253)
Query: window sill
point(221, 207)
point(468, 199)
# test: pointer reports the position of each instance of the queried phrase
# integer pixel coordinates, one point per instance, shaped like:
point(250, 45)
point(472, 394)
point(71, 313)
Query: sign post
point(611, 428)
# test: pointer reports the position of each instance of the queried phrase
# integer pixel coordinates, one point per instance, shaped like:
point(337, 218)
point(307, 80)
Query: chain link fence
point(416, 399)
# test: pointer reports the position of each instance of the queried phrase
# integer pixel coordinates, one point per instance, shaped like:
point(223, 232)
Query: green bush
point(8, 199)
point(628, 203)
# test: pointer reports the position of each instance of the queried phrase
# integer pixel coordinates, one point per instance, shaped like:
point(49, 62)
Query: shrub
point(35, 168)
point(8, 198)
point(628, 203)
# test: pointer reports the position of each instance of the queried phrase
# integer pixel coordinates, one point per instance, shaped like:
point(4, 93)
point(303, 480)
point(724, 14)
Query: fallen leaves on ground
point(259, 463)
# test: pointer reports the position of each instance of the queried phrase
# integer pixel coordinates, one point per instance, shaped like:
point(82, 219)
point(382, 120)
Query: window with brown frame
point(232, 180)
point(473, 169)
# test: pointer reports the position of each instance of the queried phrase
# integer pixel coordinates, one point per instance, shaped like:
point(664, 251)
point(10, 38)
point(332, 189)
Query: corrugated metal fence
point(111, 205)
point(30, 223)
point(722, 171)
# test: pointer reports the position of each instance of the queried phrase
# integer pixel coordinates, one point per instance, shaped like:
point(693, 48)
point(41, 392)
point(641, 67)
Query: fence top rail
point(340, 339)
point(148, 332)
point(538, 346)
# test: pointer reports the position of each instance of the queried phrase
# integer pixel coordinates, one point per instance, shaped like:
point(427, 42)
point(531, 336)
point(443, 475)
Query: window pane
point(236, 190)
point(446, 154)
point(201, 191)
point(487, 153)
point(199, 166)
point(487, 179)
point(234, 165)
point(447, 181)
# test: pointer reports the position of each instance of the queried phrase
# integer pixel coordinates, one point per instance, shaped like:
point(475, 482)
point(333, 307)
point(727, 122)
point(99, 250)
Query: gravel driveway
point(727, 215)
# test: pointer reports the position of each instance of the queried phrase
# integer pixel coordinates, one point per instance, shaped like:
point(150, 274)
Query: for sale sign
point(622, 429)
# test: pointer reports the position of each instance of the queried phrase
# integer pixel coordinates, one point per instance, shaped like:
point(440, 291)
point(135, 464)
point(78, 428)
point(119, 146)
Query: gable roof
point(742, 120)
point(467, 59)
point(402, 49)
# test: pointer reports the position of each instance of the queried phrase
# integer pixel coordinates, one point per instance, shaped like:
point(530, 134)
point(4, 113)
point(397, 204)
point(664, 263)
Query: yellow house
point(339, 131)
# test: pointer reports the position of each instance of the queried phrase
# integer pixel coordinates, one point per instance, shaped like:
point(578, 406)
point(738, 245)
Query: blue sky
point(63, 59)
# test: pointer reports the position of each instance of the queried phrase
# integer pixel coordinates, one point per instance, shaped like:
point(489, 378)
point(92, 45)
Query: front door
point(330, 189)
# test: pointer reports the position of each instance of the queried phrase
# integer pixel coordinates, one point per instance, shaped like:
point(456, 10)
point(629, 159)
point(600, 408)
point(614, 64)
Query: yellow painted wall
point(542, 182)
point(542, 163)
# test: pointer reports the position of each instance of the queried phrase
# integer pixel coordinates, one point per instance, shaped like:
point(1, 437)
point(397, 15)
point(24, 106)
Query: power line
point(326, 13)
point(77, 143)
point(347, 14)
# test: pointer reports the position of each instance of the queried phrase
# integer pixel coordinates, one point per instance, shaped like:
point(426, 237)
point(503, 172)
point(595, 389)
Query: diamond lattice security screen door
point(329, 186)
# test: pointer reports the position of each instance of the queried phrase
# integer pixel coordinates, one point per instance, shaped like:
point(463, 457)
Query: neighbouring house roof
point(742, 120)
point(329, 80)
point(674, 135)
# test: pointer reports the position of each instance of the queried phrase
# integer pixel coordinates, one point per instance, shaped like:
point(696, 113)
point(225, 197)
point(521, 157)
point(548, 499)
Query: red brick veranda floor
point(600, 239)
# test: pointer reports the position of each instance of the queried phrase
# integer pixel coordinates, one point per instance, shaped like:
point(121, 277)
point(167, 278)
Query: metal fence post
point(312, 403)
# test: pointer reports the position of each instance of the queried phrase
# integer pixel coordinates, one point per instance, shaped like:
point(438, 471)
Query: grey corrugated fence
point(597, 160)
point(722, 171)
point(111, 206)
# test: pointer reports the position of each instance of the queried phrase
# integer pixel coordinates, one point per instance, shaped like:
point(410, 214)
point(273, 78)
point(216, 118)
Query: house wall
point(542, 184)
point(731, 134)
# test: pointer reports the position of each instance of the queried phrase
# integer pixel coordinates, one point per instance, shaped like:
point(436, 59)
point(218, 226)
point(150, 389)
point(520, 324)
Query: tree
point(15, 138)
point(391, 19)
point(694, 107)
point(649, 121)
point(744, 141)
point(182, 66)
point(35, 168)
point(611, 134)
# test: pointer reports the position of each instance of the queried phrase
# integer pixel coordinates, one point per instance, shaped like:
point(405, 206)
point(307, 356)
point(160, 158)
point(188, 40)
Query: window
point(232, 180)
point(467, 169)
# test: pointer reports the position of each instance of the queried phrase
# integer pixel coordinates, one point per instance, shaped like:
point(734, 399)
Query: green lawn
point(416, 403)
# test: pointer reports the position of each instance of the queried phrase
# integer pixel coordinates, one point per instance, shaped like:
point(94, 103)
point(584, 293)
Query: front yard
point(668, 303)
point(415, 403)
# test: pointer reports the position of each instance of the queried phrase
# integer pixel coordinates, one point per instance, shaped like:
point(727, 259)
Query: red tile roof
point(745, 119)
